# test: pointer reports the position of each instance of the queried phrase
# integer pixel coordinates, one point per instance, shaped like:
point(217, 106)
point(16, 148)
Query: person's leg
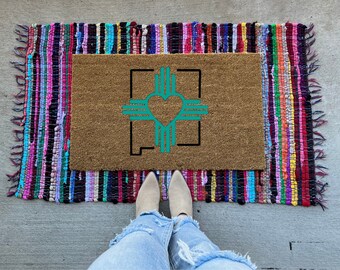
point(189, 247)
point(143, 244)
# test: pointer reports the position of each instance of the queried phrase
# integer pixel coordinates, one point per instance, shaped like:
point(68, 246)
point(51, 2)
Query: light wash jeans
point(153, 242)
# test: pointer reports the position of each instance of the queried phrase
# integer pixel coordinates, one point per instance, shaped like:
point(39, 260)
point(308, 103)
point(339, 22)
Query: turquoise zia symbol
point(165, 87)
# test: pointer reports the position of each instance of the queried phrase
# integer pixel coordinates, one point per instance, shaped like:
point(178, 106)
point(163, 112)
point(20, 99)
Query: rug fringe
point(318, 117)
point(20, 51)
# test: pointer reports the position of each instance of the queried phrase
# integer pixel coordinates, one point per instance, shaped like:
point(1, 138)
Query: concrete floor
point(41, 235)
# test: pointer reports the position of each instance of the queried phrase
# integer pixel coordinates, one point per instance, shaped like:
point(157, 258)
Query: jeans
point(153, 241)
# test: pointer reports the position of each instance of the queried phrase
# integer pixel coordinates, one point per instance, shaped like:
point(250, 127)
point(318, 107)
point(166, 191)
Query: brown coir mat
point(164, 112)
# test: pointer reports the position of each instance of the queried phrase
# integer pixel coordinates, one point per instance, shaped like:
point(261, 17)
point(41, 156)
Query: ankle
point(182, 215)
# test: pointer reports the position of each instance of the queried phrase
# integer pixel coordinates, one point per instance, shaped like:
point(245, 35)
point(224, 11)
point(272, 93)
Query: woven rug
point(292, 143)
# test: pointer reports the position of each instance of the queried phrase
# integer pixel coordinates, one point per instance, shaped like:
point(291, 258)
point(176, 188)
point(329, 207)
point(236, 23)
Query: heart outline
point(153, 108)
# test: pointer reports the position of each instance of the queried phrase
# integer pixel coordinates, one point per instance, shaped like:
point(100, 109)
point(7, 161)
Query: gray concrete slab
point(41, 235)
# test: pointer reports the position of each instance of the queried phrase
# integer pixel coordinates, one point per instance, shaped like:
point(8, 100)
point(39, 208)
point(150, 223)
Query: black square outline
point(199, 96)
point(131, 123)
point(199, 77)
point(131, 78)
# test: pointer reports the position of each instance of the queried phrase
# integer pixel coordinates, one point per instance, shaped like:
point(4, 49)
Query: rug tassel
point(17, 120)
point(316, 97)
point(319, 135)
point(11, 193)
point(13, 177)
point(318, 142)
point(12, 189)
point(17, 146)
point(315, 88)
point(321, 174)
point(322, 203)
point(18, 109)
point(15, 161)
point(20, 80)
point(22, 39)
point(16, 153)
point(323, 187)
point(19, 103)
point(313, 80)
point(313, 66)
point(316, 101)
point(319, 117)
point(23, 27)
point(311, 39)
point(319, 154)
point(21, 31)
point(314, 85)
point(20, 66)
point(315, 91)
point(319, 123)
point(312, 56)
point(19, 96)
point(309, 28)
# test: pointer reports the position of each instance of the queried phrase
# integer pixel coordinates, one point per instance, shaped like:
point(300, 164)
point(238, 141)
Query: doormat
point(292, 176)
point(161, 112)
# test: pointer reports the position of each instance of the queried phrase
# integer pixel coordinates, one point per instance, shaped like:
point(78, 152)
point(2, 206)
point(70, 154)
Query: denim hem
point(197, 259)
point(155, 213)
point(230, 255)
point(179, 222)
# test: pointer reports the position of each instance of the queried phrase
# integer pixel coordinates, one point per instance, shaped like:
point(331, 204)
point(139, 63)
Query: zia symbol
point(165, 91)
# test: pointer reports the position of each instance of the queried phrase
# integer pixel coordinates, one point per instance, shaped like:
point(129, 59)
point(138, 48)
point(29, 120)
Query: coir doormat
point(289, 93)
point(167, 112)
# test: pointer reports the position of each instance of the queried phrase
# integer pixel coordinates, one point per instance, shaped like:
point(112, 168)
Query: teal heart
point(165, 110)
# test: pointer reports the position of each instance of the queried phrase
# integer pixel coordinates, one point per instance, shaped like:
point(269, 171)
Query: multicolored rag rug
point(292, 144)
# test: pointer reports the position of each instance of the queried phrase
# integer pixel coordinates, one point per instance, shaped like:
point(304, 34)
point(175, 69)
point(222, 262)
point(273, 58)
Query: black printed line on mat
point(199, 78)
point(140, 148)
point(198, 140)
point(131, 78)
point(131, 124)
